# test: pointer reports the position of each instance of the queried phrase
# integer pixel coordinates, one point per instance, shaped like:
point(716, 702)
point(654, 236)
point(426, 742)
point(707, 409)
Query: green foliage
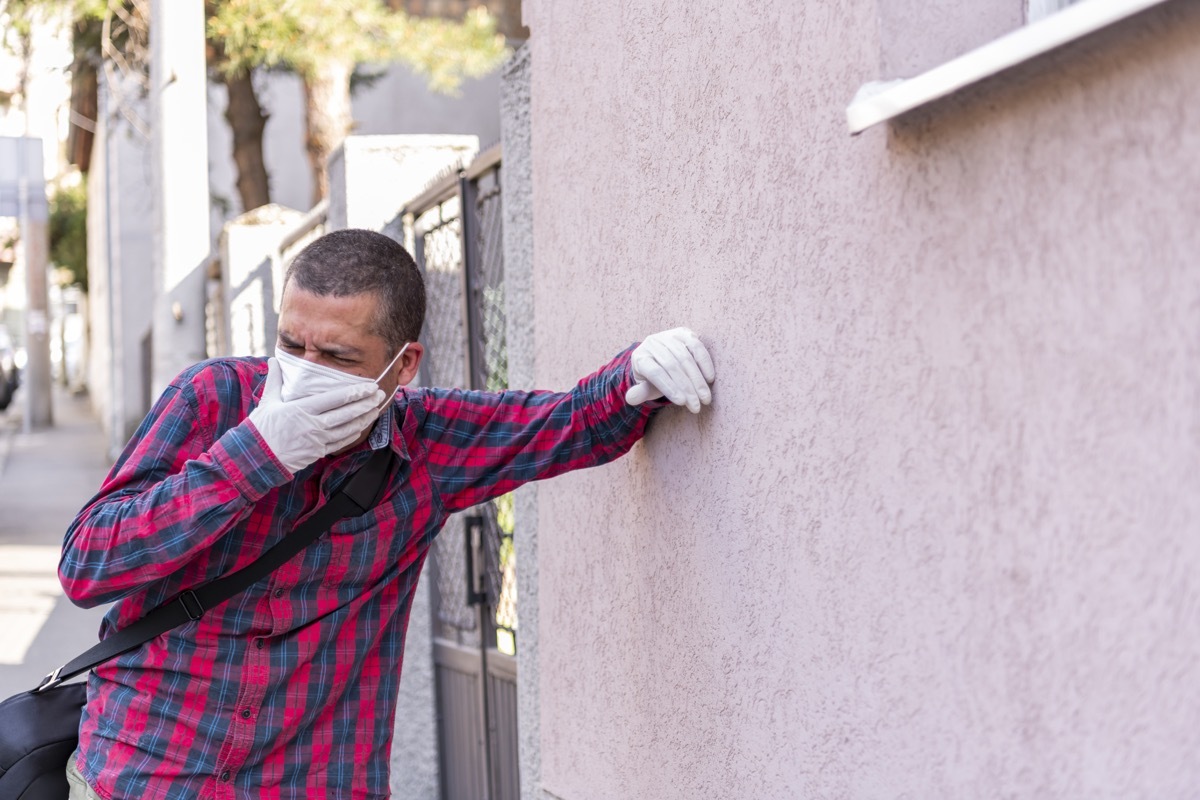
point(89, 9)
point(68, 232)
point(307, 35)
point(21, 14)
point(18, 19)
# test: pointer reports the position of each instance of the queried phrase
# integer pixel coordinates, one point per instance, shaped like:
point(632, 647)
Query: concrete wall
point(250, 286)
point(937, 535)
point(371, 178)
point(120, 273)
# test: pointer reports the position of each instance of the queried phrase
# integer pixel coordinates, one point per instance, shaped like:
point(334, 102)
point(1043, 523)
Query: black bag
point(38, 733)
point(39, 729)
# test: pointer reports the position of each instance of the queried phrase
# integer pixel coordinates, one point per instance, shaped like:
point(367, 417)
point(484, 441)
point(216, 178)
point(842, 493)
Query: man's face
point(336, 332)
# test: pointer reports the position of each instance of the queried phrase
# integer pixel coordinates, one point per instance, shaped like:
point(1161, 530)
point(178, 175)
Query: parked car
point(9, 375)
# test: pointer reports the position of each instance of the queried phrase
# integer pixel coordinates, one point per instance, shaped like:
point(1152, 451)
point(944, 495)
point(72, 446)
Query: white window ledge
point(879, 101)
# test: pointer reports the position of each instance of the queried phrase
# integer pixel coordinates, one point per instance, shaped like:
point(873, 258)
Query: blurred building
point(121, 224)
point(35, 102)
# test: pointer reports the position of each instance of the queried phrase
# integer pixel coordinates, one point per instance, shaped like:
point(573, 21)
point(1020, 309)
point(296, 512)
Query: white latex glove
point(303, 430)
point(674, 364)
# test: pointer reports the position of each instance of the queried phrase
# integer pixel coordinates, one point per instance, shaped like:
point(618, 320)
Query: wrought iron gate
point(456, 239)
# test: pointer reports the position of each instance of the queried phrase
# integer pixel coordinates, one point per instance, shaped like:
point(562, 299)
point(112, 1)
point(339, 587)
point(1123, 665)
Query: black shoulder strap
point(359, 495)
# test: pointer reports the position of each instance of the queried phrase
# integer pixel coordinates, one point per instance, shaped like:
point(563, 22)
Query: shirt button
point(258, 643)
point(279, 592)
point(225, 776)
point(245, 713)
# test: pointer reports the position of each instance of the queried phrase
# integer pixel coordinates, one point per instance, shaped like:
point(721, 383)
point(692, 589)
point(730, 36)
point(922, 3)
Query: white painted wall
point(120, 272)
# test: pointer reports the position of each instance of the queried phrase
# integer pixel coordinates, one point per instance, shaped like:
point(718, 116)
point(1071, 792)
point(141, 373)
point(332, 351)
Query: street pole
point(35, 249)
point(178, 90)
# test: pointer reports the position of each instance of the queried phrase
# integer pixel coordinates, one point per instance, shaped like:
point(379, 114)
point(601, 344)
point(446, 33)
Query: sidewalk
point(46, 476)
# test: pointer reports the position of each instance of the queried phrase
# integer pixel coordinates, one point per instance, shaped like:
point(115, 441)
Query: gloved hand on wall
point(303, 430)
point(674, 364)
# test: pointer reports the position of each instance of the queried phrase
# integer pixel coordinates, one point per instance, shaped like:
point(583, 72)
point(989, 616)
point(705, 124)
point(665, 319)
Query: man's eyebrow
point(340, 350)
point(329, 349)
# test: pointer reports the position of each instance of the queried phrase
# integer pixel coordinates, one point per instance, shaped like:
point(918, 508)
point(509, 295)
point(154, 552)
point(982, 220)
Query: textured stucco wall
point(937, 535)
point(916, 36)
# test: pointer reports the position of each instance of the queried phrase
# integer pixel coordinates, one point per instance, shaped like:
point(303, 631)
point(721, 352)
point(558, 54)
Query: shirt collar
point(386, 431)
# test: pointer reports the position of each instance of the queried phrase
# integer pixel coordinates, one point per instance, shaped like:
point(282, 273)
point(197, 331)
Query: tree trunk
point(247, 120)
point(327, 118)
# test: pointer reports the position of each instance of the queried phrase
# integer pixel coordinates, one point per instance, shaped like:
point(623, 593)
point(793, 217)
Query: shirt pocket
point(358, 551)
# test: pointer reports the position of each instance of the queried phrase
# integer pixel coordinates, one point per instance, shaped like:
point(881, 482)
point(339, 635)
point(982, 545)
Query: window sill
point(879, 101)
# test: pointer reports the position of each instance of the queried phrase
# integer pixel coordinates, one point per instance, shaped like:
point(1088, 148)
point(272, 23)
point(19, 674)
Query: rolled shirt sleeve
point(484, 444)
point(180, 485)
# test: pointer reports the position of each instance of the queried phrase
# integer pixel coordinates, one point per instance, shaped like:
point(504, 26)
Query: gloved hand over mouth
point(303, 430)
point(674, 364)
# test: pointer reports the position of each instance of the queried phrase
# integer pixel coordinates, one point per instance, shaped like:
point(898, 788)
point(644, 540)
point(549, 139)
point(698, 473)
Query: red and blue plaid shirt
point(289, 689)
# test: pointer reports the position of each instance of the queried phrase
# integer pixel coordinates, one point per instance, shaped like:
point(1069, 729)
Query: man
point(289, 689)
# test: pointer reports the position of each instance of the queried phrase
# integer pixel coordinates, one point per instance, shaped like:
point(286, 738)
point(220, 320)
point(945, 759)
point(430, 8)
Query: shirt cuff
point(626, 381)
point(249, 462)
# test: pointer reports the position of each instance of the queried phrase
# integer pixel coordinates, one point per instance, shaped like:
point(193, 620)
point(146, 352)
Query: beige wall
point(937, 536)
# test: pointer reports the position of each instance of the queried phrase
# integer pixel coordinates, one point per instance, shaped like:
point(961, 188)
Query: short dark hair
point(356, 261)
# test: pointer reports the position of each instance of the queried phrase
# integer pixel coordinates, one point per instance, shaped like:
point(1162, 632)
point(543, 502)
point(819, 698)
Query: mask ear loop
point(383, 375)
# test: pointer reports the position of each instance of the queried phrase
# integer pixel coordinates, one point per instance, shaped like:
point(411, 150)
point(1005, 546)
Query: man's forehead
point(294, 291)
point(327, 321)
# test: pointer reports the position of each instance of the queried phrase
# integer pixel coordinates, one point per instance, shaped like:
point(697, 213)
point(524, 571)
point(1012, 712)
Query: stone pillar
point(250, 286)
point(517, 178)
point(372, 177)
point(178, 90)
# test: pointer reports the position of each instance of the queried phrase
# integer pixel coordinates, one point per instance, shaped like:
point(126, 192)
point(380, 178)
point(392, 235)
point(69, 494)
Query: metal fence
point(454, 231)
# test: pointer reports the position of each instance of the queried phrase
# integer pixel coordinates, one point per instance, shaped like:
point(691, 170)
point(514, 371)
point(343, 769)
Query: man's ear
point(409, 363)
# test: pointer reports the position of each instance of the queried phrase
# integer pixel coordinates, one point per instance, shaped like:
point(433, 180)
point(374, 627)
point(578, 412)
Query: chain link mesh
point(489, 299)
point(439, 250)
point(438, 239)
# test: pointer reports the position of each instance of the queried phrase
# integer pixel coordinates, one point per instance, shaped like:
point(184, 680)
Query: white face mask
point(302, 378)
